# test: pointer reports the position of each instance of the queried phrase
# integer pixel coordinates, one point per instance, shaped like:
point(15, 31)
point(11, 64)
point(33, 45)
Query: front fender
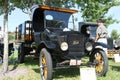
point(100, 45)
point(49, 45)
point(96, 49)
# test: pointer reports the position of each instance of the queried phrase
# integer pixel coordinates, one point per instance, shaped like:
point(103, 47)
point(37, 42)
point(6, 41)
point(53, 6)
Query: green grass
point(60, 74)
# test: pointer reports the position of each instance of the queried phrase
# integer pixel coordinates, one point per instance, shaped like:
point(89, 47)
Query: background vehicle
point(115, 49)
point(117, 44)
point(89, 29)
point(58, 45)
point(10, 50)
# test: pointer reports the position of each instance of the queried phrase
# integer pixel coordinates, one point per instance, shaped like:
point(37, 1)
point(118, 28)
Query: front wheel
point(100, 59)
point(45, 65)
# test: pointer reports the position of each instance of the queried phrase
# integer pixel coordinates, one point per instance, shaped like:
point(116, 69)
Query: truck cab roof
point(58, 16)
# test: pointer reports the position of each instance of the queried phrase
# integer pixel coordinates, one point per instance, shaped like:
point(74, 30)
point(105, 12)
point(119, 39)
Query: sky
point(14, 19)
point(115, 12)
point(17, 17)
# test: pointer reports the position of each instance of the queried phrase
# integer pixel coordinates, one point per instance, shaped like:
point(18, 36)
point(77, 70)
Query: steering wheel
point(60, 23)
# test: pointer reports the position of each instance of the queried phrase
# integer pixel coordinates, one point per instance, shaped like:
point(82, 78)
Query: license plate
point(74, 62)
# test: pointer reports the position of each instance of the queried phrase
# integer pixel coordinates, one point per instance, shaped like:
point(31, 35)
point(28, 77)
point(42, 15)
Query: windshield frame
point(61, 18)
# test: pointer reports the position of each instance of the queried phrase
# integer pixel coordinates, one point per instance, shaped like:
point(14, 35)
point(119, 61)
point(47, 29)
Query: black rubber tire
point(45, 62)
point(21, 55)
point(104, 64)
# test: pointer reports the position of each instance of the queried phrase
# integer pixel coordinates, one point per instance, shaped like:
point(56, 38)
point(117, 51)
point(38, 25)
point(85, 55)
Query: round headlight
point(88, 32)
point(88, 46)
point(64, 46)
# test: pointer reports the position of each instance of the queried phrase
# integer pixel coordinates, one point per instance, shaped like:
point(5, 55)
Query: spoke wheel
point(21, 55)
point(45, 65)
point(100, 59)
point(100, 63)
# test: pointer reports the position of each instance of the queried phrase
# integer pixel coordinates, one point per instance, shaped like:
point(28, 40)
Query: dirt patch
point(11, 73)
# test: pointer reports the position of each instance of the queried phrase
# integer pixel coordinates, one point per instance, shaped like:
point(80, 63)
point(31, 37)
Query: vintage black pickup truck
point(57, 43)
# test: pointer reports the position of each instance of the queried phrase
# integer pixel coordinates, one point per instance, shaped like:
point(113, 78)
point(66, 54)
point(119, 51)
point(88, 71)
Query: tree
point(60, 3)
point(5, 8)
point(92, 10)
point(115, 35)
point(25, 5)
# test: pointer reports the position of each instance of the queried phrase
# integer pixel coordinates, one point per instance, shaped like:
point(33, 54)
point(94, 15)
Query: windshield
point(92, 30)
point(56, 19)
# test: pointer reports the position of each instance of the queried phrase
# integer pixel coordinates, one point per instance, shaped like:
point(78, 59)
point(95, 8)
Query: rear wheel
point(21, 55)
point(100, 59)
point(45, 65)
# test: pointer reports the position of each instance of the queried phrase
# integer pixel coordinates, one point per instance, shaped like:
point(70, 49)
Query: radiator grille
point(76, 42)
